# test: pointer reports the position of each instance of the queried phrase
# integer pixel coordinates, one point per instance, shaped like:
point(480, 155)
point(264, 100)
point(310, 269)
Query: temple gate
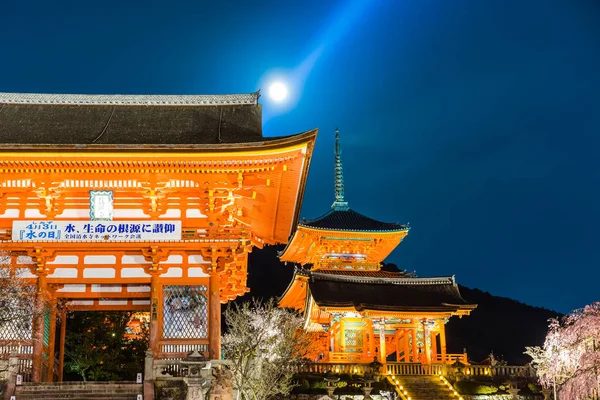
point(147, 203)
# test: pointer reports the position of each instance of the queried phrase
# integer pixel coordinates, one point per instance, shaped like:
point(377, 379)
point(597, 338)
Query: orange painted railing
point(347, 357)
point(450, 358)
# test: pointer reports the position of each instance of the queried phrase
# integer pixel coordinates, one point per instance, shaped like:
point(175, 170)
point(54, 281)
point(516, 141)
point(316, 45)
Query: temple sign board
point(95, 231)
point(101, 205)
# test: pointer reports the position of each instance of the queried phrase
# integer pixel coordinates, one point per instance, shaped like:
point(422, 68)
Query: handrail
point(413, 369)
point(500, 370)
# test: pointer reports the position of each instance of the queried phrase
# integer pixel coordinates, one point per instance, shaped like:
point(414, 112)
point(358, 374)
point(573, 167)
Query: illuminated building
point(147, 203)
point(355, 310)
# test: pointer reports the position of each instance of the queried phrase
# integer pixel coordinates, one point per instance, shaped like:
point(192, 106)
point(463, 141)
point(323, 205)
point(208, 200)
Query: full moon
point(278, 91)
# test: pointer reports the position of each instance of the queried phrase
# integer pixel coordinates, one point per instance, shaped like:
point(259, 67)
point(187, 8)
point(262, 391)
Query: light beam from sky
point(344, 19)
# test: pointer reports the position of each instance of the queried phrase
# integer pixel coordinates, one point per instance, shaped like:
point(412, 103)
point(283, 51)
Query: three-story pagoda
point(357, 311)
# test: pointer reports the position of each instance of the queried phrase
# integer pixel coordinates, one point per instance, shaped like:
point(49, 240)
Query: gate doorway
point(105, 345)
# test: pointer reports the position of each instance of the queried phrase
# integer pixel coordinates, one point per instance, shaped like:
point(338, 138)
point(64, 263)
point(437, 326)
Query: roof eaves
point(129, 99)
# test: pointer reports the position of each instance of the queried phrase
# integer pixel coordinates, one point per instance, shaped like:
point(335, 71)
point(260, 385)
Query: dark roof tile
point(386, 294)
point(82, 119)
point(350, 220)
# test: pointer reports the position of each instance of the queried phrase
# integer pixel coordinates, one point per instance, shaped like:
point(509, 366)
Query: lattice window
point(185, 312)
point(16, 311)
point(354, 341)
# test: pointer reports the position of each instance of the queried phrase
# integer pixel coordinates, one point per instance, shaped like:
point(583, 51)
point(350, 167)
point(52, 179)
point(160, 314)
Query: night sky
point(476, 121)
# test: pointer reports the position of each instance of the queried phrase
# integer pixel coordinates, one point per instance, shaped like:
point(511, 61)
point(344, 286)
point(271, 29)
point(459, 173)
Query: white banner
point(96, 231)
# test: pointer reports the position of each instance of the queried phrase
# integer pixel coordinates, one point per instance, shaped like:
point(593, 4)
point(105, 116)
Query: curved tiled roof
point(350, 220)
point(364, 274)
point(58, 119)
point(384, 293)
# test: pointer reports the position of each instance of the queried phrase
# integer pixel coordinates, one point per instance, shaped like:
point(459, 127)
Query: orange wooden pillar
point(434, 349)
point(397, 340)
point(443, 342)
point(155, 317)
point(61, 351)
point(214, 317)
point(415, 357)
point(51, 341)
point(427, 349)
point(342, 345)
point(382, 350)
point(38, 327)
point(406, 349)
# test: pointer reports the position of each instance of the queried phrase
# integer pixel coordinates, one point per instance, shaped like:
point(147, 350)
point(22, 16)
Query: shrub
point(303, 384)
point(471, 387)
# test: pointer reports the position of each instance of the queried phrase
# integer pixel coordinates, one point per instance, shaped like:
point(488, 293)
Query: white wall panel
point(75, 288)
point(64, 260)
point(197, 273)
point(99, 273)
point(95, 259)
point(64, 273)
point(134, 273)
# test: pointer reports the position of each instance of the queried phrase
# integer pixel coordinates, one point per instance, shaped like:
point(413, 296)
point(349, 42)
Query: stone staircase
point(79, 391)
point(423, 387)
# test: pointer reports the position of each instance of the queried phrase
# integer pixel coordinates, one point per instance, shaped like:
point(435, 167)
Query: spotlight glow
point(278, 91)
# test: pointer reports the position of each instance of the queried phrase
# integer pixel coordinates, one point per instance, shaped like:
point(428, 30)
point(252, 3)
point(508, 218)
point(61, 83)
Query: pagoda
point(357, 312)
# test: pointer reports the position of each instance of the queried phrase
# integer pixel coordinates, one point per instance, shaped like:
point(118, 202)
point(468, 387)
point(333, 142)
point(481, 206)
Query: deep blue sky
point(476, 121)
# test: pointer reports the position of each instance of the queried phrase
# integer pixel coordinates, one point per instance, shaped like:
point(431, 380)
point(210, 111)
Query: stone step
point(79, 391)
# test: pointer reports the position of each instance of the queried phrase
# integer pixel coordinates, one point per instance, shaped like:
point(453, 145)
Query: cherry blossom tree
point(261, 343)
point(569, 361)
point(17, 306)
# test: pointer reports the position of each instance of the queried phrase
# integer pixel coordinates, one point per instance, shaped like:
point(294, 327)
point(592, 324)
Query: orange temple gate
point(147, 203)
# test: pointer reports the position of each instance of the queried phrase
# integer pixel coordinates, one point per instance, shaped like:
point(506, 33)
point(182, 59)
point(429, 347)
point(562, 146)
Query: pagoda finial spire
point(340, 203)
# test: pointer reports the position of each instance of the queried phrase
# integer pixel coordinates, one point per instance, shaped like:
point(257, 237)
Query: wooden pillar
point(397, 339)
point(51, 341)
point(406, 351)
point(365, 351)
point(155, 318)
point(443, 341)
point(214, 318)
point(415, 357)
point(372, 339)
point(342, 347)
point(382, 350)
point(38, 327)
point(426, 343)
point(434, 345)
point(61, 351)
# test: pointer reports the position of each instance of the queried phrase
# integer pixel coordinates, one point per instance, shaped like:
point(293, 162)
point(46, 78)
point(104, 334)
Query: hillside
point(499, 324)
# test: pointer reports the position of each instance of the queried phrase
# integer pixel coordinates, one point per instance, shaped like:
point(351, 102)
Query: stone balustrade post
point(13, 370)
point(149, 376)
point(514, 392)
point(547, 394)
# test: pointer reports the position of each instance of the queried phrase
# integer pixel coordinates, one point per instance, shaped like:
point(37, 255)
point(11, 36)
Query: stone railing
point(414, 369)
point(401, 368)
point(334, 368)
point(499, 370)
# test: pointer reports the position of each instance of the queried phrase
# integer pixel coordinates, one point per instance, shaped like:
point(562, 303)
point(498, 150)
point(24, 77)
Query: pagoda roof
point(73, 119)
point(382, 293)
point(350, 220)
